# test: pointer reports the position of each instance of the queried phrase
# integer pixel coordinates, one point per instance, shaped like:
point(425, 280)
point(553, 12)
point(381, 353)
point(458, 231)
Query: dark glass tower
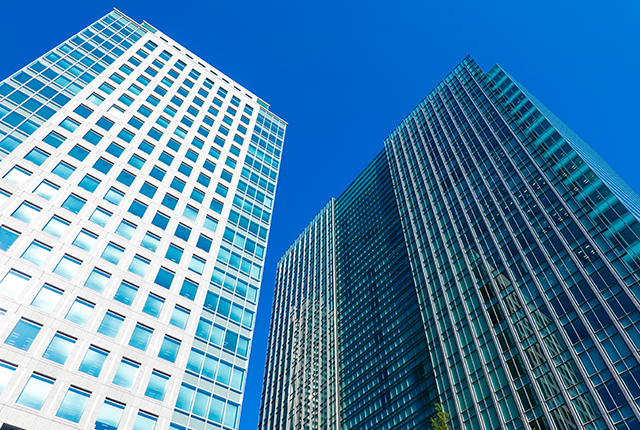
point(487, 260)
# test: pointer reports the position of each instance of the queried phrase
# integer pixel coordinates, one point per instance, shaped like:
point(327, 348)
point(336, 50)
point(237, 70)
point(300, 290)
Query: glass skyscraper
point(136, 191)
point(487, 259)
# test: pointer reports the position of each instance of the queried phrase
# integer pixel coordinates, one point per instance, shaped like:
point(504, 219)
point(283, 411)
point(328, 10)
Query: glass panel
point(93, 361)
point(73, 405)
point(59, 348)
point(35, 392)
point(145, 422)
point(110, 325)
point(26, 212)
point(140, 337)
point(153, 305)
point(79, 312)
point(126, 373)
point(85, 240)
point(169, 349)
point(67, 267)
point(157, 385)
point(97, 280)
point(6, 372)
point(179, 317)
point(126, 293)
point(36, 253)
point(47, 298)
point(23, 334)
point(13, 283)
point(110, 415)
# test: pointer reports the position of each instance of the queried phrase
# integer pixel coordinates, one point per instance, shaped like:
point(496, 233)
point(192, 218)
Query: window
point(23, 334)
point(151, 99)
point(183, 232)
point(179, 317)
point(145, 421)
point(54, 139)
point(126, 293)
point(204, 243)
point(17, 175)
point(93, 361)
point(6, 372)
point(46, 190)
point(108, 89)
point(7, 237)
point(96, 99)
point(100, 216)
point(197, 264)
point(115, 150)
point(150, 241)
point(109, 416)
point(146, 147)
point(47, 298)
point(59, 348)
point(63, 170)
point(92, 137)
point(73, 404)
point(56, 226)
point(67, 267)
point(169, 201)
point(140, 337)
point(189, 289)
point(85, 240)
point(178, 184)
point(97, 280)
point(216, 206)
point(126, 229)
point(79, 311)
point(190, 212)
point(111, 324)
point(155, 134)
point(145, 110)
point(157, 385)
point(166, 158)
point(70, 124)
point(197, 195)
point(26, 212)
point(84, 111)
point(139, 265)
point(125, 99)
point(115, 110)
point(105, 123)
point(89, 183)
point(204, 179)
point(153, 305)
point(102, 165)
point(135, 122)
point(157, 173)
point(114, 196)
point(74, 203)
point(169, 349)
point(126, 135)
point(36, 253)
point(13, 283)
point(126, 373)
point(160, 220)
point(148, 190)
point(174, 253)
point(35, 391)
point(37, 156)
point(112, 253)
point(137, 208)
point(164, 278)
point(126, 178)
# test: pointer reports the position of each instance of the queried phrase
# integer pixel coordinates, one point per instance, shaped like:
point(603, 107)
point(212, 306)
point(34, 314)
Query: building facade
point(488, 260)
point(136, 190)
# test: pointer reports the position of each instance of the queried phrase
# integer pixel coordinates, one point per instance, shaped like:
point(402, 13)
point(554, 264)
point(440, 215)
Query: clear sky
point(343, 74)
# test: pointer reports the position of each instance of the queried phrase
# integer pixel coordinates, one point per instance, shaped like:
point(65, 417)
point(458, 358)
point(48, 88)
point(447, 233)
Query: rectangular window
point(126, 373)
point(110, 415)
point(47, 298)
point(157, 385)
point(73, 404)
point(23, 334)
point(37, 156)
point(100, 216)
point(97, 280)
point(111, 324)
point(6, 372)
point(63, 170)
point(46, 190)
point(140, 337)
point(13, 283)
point(67, 267)
point(112, 253)
point(164, 278)
point(59, 348)
point(79, 311)
point(179, 317)
point(153, 305)
point(150, 241)
point(93, 361)
point(126, 293)
point(35, 391)
point(26, 212)
point(36, 253)
point(169, 349)
point(139, 265)
point(89, 183)
point(85, 240)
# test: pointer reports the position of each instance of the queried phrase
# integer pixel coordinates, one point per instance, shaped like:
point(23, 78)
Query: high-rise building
point(487, 260)
point(136, 191)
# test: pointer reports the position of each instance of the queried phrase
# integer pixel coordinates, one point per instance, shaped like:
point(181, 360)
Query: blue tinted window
point(140, 337)
point(126, 293)
point(150, 241)
point(35, 392)
point(26, 212)
point(111, 324)
point(37, 156)
point(92, 137)
point(93, 361)
point(89, 183)
point(210, 223)
point(164, 278)
point(97, 280)
point(189, 289)
point(153, 305)
point(190, 212)
point(148, 190)
point(174, 253)
point(139, 265)
point(135, 122)
point(112, 253)
point(146, 147)
point(102, 165)
point(126, 135)
point(84, 111)
point(204, 243)
point(105, 123)
point(114, 196)
point(23, 334)
point(59, 348)
point(204, 179)
point(63, 170)
point(179, 317)
point(137, 208)
point(183, 232)
point(73, 404)
point(126, 178)
point(85, 240)
point(115, 150)
point(165, 158)
point(157, 173)
point(70, 124)
point(197, 195)
point(126, 373)
point(169, 201)
point(160, 220)
point(137, 161)
point(7, 237)
point(47, 298)
point(157, 385)
point(178, 184)
point(126, 229)
point(100, 217)
point(169, 349)
point(79, 311)
point(36, 253)
point(109, 416)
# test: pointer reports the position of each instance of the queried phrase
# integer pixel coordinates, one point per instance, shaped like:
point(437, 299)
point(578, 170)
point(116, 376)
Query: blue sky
point(343, 74)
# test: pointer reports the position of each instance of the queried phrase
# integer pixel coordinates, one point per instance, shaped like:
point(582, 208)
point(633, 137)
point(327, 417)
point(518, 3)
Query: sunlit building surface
point(136, 191)
point(488, 260)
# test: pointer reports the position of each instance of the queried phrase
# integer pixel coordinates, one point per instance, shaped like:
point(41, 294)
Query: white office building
point(136, 190)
